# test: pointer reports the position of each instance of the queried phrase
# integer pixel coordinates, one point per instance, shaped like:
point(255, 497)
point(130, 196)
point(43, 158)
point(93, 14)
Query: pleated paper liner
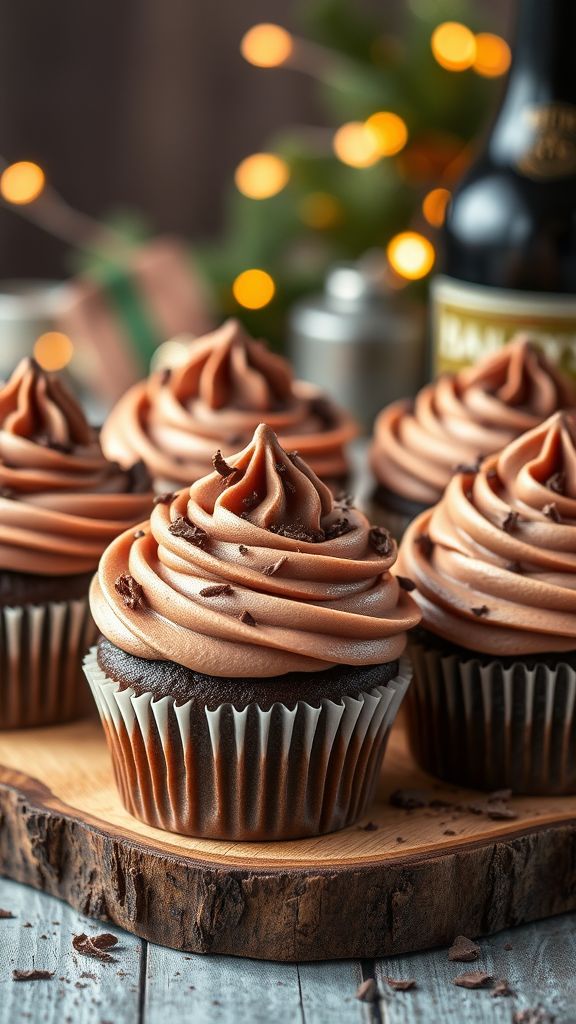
point(41, 649)
point(492, 725)
point(250, 774)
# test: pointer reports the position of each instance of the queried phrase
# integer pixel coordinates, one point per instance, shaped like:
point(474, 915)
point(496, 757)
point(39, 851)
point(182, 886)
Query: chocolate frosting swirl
point(461, 418)
point(229, 383)
point(495, 561)
point(254, 571)
point(61, 502)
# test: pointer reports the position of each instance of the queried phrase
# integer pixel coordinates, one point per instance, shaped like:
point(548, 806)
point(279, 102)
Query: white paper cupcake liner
point(41, 648)
point(249, 774)
point(494, 726)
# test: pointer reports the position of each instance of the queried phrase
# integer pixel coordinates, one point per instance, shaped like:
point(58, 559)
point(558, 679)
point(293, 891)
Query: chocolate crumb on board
point(472, 979)
point(498, 811)
point(271, 570)
point(164, 499)
point(510, 523)
point(242, 549)
point(34, 975)
point(406, 584)
point(183, 527)
point(130, 591)
point(367, 991)
point(425, 544)
point(6, 915)
point(463, 950)
point(551, 512)
point(502, 988)
point(95, 946)
point(400, 839)
point(480, 610)
point(220, 464)
point(370, 826)
point(247, 619)
point(557, 483)
point(400, 984)
point(409, 799)
point(381, 540)
point(216, 591)
point(448, 832)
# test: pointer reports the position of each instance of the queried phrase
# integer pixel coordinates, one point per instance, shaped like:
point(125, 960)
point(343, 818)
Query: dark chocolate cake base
point(168, 679)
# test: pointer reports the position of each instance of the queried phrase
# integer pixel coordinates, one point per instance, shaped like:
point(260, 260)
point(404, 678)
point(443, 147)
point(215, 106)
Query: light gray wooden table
point(150, 984)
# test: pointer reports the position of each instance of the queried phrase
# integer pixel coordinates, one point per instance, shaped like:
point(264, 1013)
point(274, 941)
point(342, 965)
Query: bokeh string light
point(388, 131)
point(53, 350)
point(355, 145)
point(253, 288)
point(411, 255)
point(261, 175)
point(266, 45)
point(22, 183)
point(434, 206)
point(453, 46)
point(493, 55)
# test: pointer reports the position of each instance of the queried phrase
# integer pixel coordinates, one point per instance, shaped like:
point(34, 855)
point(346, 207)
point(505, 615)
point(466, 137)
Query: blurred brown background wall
point(141, 103)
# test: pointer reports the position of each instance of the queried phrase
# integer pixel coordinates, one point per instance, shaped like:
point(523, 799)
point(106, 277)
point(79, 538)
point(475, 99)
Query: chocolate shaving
point(182, 527)
point(216, 590)
point(463, 950)
point(401, 985)
point(367, 991)
point(221, 466)
point(510, 523)
point(502, 988)
point(406, 584)
point(551, 511)
point(297, 531)
point(6, 915)
point(557, 483)
point(247, 619)
point(472, 979)
point(130, 591)
point(271, 570)
point(425, 543)
point(164, 499)
point(481, 610)
point(499, 812)
point(242, 549)
point(32, 975)
point(95, 946)
point(337, 529)
point(381, 540)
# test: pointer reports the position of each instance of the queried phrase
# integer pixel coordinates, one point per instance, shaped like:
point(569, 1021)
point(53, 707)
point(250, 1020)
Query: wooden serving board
point(406, 885)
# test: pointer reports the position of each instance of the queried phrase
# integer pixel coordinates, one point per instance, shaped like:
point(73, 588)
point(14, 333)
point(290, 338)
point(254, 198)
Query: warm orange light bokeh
point(453, 46)
point(493, 55)
point(389, 132)
point(261, 175)
point(22, 182)
point(355, 145)
point(266, 45)
point(411, 255)
point(434, 206)
point(53, 350)
point(253, 288)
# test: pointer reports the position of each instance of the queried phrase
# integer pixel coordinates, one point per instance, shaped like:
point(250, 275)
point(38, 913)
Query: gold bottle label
point(470, 321)
point(551, 151)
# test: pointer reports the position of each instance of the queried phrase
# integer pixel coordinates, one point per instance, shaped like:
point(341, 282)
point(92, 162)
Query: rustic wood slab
point(413, 882)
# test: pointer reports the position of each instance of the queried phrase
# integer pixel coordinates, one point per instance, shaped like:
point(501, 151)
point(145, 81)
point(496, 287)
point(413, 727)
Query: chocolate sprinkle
point(182, 527)
point(337, 529)
point(406, 584)
point(367, 991)
point(425, 544)
point(220, 464)
point(130, 591)
point(472, 979)
point(557, 483)
point(247, 619)
point(216, 590)
point(483, 609)
point(95, 946)
point(510, 522)
point(381, 540)
point(271, 570)
point(164, 499)
point(551, 511)
point(463, 950)
point(242, 549)
point(401, 985)
point(32, 975)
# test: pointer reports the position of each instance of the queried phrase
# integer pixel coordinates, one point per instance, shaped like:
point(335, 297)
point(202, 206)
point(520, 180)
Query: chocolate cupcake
point(216, 399)
point(456, 421)
point(493, 702)
point(251, 665)
point(61, 503)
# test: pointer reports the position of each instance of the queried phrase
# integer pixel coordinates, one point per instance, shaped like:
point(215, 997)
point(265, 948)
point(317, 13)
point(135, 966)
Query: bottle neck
point(537, 117)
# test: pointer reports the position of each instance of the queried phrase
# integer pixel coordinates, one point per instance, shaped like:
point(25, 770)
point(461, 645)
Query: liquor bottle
point(509, 243)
